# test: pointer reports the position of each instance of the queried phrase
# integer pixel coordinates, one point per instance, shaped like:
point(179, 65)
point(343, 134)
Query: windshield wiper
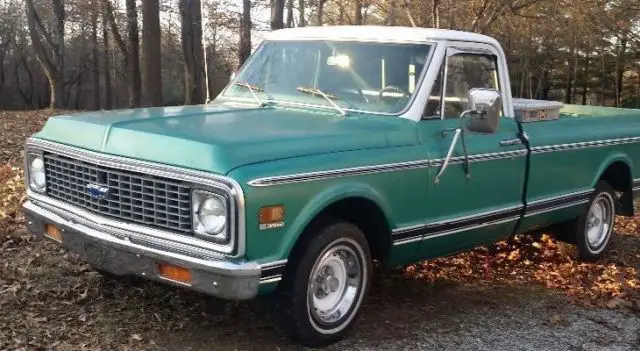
point(328, 96)
point(252, 89)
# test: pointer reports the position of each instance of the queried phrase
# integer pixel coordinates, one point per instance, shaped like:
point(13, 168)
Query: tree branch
point(114, 28)
point(42, 29)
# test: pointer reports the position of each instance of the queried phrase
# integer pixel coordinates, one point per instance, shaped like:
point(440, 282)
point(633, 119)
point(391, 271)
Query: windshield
point(355, 76)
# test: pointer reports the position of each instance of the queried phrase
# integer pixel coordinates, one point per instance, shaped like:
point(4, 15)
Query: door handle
point(511, 142)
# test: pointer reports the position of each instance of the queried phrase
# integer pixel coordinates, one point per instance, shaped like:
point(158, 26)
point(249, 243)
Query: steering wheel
point(392, 89)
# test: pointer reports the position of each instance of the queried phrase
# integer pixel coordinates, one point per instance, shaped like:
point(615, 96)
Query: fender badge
point(97, 191)
point(266, 226)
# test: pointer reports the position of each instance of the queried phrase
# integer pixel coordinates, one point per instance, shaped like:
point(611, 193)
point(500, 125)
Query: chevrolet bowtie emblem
point(97, 191)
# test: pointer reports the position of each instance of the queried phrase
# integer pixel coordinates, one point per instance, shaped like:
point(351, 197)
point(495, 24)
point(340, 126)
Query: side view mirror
point(233, 76)
point(484, 106)
point(483, 113)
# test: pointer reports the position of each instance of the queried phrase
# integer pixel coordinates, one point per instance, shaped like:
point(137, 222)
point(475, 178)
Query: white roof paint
point(378, 33)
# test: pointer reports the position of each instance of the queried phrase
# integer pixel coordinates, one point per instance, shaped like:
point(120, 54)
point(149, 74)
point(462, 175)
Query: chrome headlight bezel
point(198, 199)
point(31, 174)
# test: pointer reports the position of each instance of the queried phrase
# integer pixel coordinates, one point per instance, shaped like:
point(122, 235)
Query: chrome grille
point(155, 201)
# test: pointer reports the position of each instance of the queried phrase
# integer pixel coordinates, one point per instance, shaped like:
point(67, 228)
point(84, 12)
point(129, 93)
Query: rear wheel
point(595, 226)
point(592, 231)
point(320, 295)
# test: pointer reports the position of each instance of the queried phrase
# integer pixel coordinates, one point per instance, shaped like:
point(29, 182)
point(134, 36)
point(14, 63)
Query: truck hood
point(218, 139)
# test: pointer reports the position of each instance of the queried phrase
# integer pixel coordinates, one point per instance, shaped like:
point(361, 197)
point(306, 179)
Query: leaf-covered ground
point(49, 299)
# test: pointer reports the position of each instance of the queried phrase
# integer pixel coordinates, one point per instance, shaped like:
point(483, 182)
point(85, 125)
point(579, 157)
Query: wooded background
point(105, 54)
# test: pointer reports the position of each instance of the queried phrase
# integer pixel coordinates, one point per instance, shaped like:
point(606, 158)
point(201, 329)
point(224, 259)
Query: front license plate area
point(98, 255)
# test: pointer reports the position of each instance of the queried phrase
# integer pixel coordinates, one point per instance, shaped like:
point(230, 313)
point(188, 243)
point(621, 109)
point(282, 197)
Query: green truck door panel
point(462, 211)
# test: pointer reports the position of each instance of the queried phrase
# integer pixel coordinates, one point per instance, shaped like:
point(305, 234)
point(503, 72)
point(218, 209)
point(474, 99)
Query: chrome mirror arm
point(456, 136)
point(459, 134)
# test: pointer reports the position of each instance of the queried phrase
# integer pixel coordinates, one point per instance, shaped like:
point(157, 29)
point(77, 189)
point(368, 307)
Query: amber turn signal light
point(271, 214)
point(53, 232)
point(175, 273)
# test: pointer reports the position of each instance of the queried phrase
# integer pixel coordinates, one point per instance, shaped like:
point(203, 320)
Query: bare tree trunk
point(130, 49)
point(301, 7)
point(435, 6)
point(574, 77)
point(407, 10)
point(95, 70)
point(620, 68)
point(133, 53)
point(3, 51)
point(57, 91)
point(320, 12)
point(27, 98)
point(569, 87)
point(585, 78)
point(152, 68)
point(289, 13)
point(391, 13)
point(638, 97)
point(277, 12)
point(545, 84)
point(358, 12)
point(603, 76)
point(191, 15)
point(52, 65)
point(450, 16)
point(245, 32)
point(108, 87)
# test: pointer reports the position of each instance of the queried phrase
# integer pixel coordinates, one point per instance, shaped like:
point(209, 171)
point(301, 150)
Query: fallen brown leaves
point(15, 128)
point(611, 282)
point(12, 196)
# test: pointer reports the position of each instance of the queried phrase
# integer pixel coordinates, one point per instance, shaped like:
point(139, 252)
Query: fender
point(323, 200)
point(614, 157)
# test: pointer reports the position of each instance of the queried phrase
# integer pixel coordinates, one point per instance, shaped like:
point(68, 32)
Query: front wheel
point(321, 293)
point(595, 226)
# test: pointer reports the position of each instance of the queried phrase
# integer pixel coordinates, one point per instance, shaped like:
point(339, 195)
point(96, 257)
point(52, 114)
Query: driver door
point(483, 203)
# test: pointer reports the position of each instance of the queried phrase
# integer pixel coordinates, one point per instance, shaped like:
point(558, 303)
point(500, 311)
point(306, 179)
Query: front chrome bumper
point(118, 252)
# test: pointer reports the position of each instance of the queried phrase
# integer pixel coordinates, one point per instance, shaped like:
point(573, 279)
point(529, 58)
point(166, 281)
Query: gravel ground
point(467, 318)
point(62, 304)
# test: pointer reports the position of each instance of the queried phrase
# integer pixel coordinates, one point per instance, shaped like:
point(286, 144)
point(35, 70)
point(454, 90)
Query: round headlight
point(212, 216)
point(36, 174)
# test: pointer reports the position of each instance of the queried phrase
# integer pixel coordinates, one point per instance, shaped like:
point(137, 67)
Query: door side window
point(464, 72)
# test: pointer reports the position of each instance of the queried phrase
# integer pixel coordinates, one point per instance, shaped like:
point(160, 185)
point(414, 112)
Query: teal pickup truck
point(331, 149)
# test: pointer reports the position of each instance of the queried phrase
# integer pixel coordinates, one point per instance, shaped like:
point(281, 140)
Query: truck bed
point(596, 111)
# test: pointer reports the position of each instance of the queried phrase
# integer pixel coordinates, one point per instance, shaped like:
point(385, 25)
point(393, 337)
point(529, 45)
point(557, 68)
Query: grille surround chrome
point(234, 247)
point(158, 202)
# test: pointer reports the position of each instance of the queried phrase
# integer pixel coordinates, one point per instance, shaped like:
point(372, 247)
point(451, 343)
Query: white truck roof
point(378, 33)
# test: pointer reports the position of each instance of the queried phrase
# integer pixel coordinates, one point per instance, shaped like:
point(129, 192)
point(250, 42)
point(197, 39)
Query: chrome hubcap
point(599, 220)
point(335, 284)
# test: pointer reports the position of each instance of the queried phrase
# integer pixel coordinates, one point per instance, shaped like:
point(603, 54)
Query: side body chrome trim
point(235, 248)
point(344, 172)
point(558, 202)
point(401, 236)
point(583, 145)
point(415, 233)
point(272, 272)
point(389, 167)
